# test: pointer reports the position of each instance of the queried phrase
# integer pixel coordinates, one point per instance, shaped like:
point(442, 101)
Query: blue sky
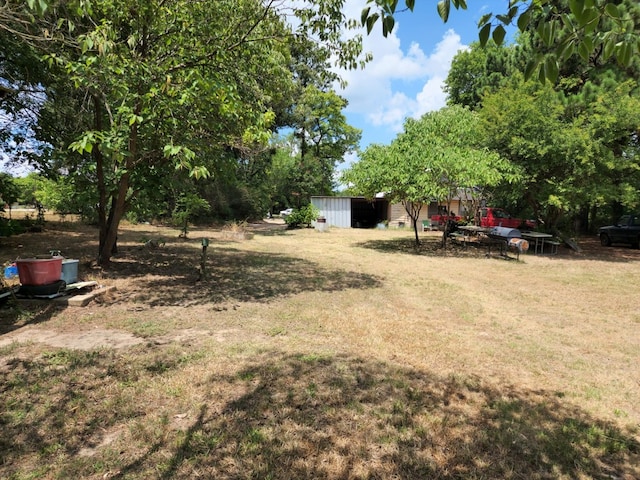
point(406, 75)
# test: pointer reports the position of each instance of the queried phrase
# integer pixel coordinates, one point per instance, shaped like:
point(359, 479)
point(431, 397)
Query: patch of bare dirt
point(87, 340)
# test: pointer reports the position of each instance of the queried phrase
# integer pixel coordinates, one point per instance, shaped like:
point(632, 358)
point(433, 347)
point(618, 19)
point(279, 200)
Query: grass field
point(347, 354)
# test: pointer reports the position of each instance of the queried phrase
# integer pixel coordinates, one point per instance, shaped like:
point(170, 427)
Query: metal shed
point(352, 212)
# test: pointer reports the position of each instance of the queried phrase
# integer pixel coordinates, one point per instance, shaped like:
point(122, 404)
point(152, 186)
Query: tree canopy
point(138, 97)
point(576, 141)
point(584, 28)
point(431, 160)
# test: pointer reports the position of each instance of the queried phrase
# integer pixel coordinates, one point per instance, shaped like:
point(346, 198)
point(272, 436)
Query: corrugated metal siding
point(337, 210)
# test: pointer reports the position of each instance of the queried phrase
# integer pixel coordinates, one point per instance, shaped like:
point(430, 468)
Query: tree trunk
point(109, 232)
point(413, 210)
point(116, 212)
point(103, 224)
point(592, 217)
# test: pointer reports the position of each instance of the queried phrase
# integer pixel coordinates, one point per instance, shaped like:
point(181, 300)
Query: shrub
point(188, 206)
point(11, 227)
point(302, 216)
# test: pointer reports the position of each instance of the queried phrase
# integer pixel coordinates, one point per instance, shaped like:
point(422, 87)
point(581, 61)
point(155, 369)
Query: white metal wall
point(337, 210)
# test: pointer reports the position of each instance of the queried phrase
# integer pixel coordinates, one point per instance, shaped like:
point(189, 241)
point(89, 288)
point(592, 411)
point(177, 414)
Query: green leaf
point(562, 47)
point(548, 30)
point(569, 50)
point(577, 7)
point(541, 75)
point(583, 51)
point(567, 20)
point(483, 35)
point(135, 119)
point(484, 19)
point(364, 15)
point(199, 172)
point(43, 6)
point(444, 6)
point(388, 23)
point(524, 20)
point(591, 21)
point(551, 69)
point(609, 48)
point(612, 10)
point(411, 4)
point(371, 21)
point(530, 68)
point(498, 34)
point(625, 54)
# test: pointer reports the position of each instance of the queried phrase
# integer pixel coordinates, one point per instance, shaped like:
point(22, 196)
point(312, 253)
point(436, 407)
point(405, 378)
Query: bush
point(11, 227)
point(303, 216)
point(188, 206)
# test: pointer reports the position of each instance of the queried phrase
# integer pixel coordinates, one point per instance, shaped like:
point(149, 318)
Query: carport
point(352, 212)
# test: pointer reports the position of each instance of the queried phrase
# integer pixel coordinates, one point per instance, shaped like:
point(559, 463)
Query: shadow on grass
point(432, 247)
point(296, 416)
point(170, 277)
point(429, 247)
point(15, 316)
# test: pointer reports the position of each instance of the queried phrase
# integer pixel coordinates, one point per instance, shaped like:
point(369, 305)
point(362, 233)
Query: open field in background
point(338, 355)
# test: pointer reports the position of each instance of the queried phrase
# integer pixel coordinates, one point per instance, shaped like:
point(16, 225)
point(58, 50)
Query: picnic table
point(473, 229)
point(468, 233)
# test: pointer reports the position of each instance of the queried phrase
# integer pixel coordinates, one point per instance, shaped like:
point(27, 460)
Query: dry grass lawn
point(339, 355)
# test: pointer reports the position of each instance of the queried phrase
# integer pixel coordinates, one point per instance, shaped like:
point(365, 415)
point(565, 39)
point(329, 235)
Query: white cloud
point(430, 98)
point(398, 83)
point(392, 112)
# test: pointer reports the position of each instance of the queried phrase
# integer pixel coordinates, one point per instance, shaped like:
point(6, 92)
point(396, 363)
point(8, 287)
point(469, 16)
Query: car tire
point(636, 243)
point(605, 241)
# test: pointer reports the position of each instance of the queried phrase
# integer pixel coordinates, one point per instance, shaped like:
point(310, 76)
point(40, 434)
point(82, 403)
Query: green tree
point(477, 71)
point(431, 160)
point(575, 28)
point(9, 191)
point(561, 136)
point(525, 123)
point(28, 186)
point(137, 85)
point(324, 137)
point(609, 112)
point(281, 174)
point(187, 207)
point(302, 216)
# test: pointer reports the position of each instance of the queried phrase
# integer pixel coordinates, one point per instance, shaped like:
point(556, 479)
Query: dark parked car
point(626, 230)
